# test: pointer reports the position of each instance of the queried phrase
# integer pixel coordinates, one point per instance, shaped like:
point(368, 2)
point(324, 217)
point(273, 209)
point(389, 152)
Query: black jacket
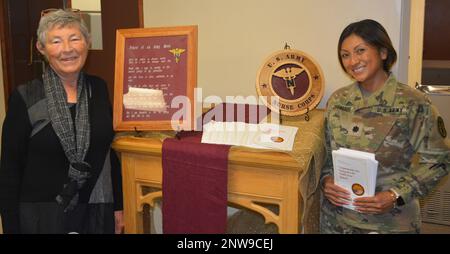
point(34, 168)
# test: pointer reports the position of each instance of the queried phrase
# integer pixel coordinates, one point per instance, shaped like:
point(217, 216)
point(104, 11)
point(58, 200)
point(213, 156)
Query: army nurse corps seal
point(295, 78)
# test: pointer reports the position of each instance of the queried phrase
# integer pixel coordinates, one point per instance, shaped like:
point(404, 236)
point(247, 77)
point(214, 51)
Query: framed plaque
point(154, 66)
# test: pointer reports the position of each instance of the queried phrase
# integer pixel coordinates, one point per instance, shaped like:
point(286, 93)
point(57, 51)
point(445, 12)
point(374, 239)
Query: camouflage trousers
point(331, 223)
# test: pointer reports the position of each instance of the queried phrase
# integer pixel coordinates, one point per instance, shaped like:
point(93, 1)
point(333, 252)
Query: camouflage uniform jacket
point(395, 123)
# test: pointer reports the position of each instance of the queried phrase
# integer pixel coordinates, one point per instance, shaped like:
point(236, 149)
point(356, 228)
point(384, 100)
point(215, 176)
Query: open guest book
point(356, 172)
point(261, 136)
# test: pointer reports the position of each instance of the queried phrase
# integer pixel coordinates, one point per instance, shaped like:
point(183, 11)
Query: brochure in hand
point(355, 171)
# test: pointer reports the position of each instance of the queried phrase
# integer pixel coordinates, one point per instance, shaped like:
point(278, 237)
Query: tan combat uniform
point(395, 123)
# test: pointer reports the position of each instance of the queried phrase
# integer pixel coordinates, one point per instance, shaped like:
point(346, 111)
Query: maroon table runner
point(230, 112)
point(195, 178)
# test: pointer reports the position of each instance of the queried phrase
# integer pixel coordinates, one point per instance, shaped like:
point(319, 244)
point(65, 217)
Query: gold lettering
point(286, 106)
point(306, 102)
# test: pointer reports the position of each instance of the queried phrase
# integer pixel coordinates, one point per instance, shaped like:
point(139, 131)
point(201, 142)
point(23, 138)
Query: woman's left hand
point(118, 221)
point(380, 203)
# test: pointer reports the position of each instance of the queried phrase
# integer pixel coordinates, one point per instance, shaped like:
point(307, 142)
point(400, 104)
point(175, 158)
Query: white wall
point(236, 36)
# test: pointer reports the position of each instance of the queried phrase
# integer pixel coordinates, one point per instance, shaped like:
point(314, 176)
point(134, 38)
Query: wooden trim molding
point(417, 22)
point(436, 64)
point(5, 49)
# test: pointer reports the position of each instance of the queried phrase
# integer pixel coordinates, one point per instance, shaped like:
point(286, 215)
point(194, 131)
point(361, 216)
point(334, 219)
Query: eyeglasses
point(47, 11)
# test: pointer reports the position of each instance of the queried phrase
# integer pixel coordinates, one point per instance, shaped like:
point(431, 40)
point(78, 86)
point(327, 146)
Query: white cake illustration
point(144, 99)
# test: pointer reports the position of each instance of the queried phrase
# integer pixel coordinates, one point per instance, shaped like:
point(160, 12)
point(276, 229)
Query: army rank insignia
point(295, 78)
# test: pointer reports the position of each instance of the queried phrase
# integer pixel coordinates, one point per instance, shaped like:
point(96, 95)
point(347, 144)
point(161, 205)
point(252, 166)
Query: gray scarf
point(74, 142)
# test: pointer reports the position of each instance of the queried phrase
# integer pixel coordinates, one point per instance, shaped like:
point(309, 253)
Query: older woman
point(377, 114)
point(58, 173)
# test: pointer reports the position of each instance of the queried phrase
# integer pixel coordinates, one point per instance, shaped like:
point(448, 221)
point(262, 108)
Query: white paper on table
point(263, 136)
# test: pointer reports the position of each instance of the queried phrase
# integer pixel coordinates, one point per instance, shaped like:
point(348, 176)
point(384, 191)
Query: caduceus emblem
point(289, 74)
point(177, 53)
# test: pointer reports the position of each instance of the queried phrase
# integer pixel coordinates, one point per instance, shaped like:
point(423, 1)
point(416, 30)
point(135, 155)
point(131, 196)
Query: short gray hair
point(60, 18)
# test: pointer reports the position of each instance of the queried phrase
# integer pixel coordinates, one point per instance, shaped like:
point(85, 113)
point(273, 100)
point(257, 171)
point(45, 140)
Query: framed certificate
point(155, 77)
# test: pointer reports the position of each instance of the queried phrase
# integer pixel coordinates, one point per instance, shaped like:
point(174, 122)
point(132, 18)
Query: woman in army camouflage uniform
point(377, 114)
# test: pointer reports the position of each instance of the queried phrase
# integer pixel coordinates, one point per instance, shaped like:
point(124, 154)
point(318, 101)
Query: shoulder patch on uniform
point(441, 127)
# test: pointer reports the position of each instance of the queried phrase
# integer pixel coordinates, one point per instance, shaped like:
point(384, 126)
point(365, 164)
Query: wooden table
point(268, 177)
point(255, 177)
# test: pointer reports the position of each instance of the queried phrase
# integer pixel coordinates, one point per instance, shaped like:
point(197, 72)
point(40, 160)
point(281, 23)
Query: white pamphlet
point(262, 136)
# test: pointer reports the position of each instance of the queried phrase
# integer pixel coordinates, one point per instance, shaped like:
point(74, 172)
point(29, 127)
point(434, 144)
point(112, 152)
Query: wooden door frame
point(417, 23)
point(5, 49)
point(5, 46)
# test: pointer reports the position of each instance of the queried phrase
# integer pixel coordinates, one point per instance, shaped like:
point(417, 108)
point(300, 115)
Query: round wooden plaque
point(295, 78)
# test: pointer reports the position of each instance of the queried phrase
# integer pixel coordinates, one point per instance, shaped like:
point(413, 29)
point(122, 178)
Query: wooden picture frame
point(152, 63)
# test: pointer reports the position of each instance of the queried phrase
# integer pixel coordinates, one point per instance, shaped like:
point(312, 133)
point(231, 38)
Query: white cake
point(144, 99)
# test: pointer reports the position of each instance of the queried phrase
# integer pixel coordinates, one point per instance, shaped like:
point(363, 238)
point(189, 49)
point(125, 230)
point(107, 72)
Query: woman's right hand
point(335, 194)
